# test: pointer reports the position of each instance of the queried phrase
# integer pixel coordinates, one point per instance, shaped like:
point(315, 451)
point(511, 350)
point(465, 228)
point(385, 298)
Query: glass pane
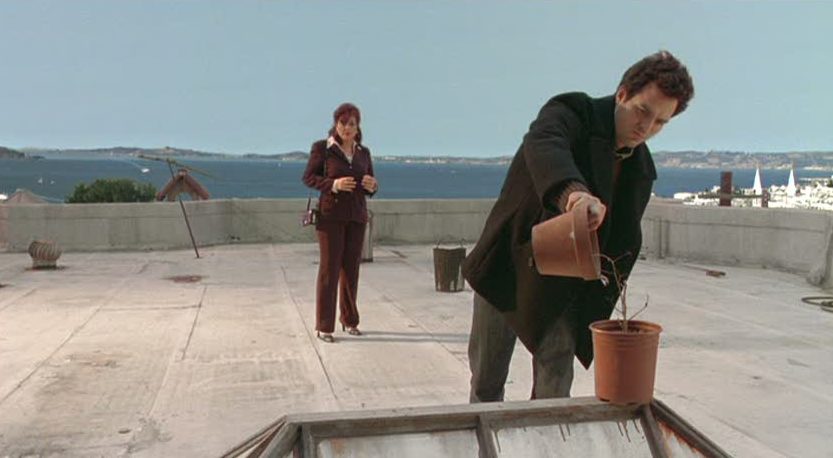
point(608, 438)
point(450, 444)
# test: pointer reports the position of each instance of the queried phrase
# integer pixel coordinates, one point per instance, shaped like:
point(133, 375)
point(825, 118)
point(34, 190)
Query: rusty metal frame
point(299, 435)
point(686, 431)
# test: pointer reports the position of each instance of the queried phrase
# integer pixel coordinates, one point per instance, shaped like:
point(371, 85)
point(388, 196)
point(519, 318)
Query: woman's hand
point(596, 209)
point(369, 183)
point(345, 184)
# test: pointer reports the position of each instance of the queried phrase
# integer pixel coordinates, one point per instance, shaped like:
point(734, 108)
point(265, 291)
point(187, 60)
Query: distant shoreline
point(821, 161)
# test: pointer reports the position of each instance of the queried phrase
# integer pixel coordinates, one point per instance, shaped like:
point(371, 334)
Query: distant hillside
point(820, 160)
point(743, 160)
point(122, 151)
point(8, 153)
point(499, 160)
point(291, 156)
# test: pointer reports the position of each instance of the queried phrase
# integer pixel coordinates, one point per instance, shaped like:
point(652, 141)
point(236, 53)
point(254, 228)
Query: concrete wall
point(793, 240)
point(798, 241)
point(160, 225)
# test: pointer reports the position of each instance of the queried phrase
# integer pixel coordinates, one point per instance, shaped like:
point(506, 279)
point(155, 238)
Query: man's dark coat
point(573, 138)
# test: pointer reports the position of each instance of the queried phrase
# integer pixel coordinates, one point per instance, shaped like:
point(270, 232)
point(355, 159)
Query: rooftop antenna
point(171, 162)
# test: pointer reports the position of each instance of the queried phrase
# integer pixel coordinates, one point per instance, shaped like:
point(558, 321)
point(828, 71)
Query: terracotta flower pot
point(565, 246)
point(44, 253)
point(625, 362)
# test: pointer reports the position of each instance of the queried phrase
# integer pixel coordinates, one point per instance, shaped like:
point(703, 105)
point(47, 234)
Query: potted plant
point(624, 351)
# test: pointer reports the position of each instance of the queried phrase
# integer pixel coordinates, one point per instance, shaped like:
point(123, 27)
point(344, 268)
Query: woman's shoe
point(325, 337)
point(352, 330)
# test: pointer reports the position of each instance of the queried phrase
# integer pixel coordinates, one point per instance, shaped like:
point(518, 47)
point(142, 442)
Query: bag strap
point(325, 161)
point(309, 193)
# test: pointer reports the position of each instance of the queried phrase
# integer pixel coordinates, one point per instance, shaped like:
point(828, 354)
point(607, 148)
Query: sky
point(459, 78)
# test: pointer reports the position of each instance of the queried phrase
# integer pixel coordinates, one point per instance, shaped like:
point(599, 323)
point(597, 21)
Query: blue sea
point(54, 179)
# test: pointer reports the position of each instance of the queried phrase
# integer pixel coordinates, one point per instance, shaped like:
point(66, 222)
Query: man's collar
point(603, 122)
point(624, 152)
point(604, 125)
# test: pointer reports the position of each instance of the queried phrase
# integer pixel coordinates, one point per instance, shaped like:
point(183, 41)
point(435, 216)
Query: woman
point(340, 167)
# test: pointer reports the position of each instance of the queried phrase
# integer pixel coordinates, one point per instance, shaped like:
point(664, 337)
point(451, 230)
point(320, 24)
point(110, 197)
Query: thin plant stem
point(623, 293)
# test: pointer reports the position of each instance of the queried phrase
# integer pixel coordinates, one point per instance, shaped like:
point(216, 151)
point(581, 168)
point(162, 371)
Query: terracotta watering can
point(565, 245)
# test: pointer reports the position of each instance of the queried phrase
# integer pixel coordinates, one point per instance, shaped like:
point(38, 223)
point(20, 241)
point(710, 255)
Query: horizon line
point(427, 155)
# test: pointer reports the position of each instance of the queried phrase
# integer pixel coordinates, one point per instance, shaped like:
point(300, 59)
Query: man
point(580, 150)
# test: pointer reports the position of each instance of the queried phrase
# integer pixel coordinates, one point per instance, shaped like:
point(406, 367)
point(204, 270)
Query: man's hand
point(595, 207)
point(369, 183)
point(345, 184)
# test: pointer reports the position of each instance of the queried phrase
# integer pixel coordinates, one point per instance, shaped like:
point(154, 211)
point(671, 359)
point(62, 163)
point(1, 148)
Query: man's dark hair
point(662, 68)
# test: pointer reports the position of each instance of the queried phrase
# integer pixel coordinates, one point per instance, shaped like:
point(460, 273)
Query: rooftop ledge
point(790, 240)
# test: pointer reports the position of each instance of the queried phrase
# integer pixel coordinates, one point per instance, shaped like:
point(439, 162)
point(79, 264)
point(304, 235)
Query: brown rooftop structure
point(24, 196)
point(182, 182)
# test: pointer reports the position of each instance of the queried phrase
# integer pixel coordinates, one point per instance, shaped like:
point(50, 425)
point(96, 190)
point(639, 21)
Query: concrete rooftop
point(107, 357)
